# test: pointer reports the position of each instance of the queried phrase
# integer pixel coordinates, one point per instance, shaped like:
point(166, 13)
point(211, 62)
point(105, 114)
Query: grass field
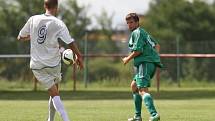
point(176, 104)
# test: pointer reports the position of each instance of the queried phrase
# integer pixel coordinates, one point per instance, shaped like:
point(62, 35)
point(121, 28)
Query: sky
point(118, 8)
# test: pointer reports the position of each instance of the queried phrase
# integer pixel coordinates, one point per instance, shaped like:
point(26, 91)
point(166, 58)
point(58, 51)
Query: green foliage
point(105, 23)
point(105, 44)
point(75, 18)
point(14, 14)
point(15, 69)
point(102, 47)
point(166, 20)
point(104, 72)
point(188, 22)
point(102, 69)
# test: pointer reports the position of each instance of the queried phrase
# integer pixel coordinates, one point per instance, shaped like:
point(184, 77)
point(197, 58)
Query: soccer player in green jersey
point(145, 52)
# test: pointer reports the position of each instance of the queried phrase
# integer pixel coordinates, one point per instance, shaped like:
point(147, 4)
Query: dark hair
point(133, 16)
point(50, 3)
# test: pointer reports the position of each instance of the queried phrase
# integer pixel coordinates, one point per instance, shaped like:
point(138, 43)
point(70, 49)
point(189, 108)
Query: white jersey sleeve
point(25, 31)
point(64, 35)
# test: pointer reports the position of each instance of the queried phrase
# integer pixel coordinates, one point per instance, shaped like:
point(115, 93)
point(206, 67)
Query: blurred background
point(180, 26)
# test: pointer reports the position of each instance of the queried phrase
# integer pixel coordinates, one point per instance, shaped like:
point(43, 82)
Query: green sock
point(149, 104)
point(137, 103)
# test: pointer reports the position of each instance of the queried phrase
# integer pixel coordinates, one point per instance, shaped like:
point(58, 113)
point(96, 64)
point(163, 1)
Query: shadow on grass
point(106, 95)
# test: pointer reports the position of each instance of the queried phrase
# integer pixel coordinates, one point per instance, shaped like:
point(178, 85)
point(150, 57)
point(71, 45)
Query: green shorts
point(144, 73)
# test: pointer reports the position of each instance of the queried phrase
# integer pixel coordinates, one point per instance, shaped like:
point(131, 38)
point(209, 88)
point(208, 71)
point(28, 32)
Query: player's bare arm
point(130, 56)
point(157, 47)
point(75, 49)
point(20, 38)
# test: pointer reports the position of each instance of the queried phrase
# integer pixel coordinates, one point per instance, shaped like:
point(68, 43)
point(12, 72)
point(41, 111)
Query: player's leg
point(54, 93)
point(137, 99)
point(137, 102)
point(51, 110)
point(49, 77)
point(148, 100)
point(146, 72)
point(47, 81)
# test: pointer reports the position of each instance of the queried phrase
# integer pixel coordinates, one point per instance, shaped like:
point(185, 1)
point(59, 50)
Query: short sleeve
point(25, 31)
point(154, 40)
point(65, 36)
point(138, 41)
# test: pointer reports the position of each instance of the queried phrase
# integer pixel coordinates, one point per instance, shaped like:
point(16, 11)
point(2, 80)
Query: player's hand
point(27, 38)
point(79, 62)
point(125, 60)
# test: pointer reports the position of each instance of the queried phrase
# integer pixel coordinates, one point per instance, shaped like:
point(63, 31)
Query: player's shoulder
point(138, 31)
point(135, 31)
point(54, 19)
point(31, 18)
point(142, 30)
point(58, 21)
point(37, 16)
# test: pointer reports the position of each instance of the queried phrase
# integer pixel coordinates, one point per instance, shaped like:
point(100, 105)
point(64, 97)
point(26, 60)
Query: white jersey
point(44, 31)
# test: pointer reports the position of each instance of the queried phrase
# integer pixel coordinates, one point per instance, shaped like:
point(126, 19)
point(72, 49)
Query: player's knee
point(53, 94)
point(134, 86)
point(147, 96)
point(53, 91)
point(143, 91)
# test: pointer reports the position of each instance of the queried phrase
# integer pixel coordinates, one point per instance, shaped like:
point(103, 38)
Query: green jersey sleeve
point(138, 41)
point(154, 40)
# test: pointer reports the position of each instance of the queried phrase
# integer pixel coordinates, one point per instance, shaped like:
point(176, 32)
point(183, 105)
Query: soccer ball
point(68, 57)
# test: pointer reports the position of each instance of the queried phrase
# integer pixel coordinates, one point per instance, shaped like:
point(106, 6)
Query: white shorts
point(48, 76)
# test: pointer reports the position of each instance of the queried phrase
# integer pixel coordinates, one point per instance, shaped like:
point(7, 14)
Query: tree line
point(191, 22)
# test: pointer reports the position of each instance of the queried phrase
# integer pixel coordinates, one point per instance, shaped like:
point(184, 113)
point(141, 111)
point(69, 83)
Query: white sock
point(60, 108)
point(51, 110)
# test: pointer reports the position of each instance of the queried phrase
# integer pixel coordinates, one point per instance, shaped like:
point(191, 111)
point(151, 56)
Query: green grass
point(108, 110)
point(109, 104)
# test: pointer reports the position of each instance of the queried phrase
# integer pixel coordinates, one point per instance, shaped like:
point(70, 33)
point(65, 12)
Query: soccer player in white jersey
point(43, 31)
